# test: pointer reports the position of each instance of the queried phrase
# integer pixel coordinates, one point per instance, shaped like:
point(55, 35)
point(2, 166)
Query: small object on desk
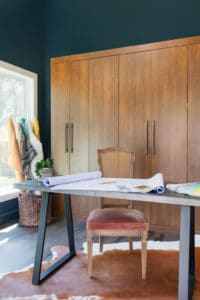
point(56, 180)
point(190, 188)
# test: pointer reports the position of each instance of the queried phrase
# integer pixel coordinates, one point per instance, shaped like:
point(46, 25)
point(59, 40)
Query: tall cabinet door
point(78, 116)
point(153, 120)
point(103, 108)
point(193, 119)
point(135, 110)
point(78, 131)
point(60, 82)
point(169, 126)
point(93, 111)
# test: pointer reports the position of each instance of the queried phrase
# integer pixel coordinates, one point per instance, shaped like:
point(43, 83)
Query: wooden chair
point(117, 163)
point(117, 221)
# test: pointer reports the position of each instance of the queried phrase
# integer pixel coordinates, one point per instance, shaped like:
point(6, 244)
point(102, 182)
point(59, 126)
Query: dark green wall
point(22, 44)
point(22, 40)
point(33, 31)
point(75, 26)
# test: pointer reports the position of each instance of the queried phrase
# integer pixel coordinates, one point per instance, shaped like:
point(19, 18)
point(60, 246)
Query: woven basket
point(29, 209)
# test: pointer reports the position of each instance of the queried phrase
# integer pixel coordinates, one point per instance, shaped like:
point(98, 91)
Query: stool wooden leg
point(89, 250)
point(144, 254)
point(101, 241)
point(130, 240)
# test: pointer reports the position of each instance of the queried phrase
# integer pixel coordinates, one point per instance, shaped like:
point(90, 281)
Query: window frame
point(32, 104)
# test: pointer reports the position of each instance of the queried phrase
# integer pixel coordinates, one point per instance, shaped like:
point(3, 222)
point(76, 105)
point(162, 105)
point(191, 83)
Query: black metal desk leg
point(186, 256)
point(39, 276)
point(69, 222)
point(40, 238)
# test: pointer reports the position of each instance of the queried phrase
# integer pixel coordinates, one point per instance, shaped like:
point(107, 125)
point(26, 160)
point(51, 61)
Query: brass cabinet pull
point(66, 137)
point(71, 138)
point(147, 140)
point(154, 137)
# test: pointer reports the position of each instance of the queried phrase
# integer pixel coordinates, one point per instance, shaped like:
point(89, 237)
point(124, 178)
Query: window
point(18, 98)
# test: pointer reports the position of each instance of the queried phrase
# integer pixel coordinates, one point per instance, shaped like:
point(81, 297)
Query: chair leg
point(101, 241)
point(144, 253)
point(89, 250)
point(130, 240)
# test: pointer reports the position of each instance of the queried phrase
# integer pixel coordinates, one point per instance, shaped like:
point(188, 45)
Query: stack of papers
point(192, 188)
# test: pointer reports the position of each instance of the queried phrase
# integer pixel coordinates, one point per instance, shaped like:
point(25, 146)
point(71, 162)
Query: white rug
point(157, 245)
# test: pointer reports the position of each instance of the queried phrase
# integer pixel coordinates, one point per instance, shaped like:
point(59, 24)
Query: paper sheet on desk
point(191, 188)
point(134, 185)
point(58, 180)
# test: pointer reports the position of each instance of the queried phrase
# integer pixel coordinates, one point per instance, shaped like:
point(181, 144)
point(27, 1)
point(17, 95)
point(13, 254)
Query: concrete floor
point(18, 243)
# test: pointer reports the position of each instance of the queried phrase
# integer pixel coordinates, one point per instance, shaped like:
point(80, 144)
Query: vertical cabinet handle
point(71, 138)
point(147, 139)
point(66, 137)
point(154, 137)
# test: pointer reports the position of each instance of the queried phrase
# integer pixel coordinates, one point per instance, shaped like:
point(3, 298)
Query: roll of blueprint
point(57, 180)
point(159, 189)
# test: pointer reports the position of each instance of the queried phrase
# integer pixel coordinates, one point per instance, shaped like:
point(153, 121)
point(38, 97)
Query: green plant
point(44, 163)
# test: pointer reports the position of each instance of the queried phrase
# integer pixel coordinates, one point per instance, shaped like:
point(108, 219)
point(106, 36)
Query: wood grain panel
point(134, 110)
point(60, 81)
point(79, 118)
point(103, 109)
point(193, 120)
point(169, 135)
point(103, 106)
point(169, 112)
point(194, 113)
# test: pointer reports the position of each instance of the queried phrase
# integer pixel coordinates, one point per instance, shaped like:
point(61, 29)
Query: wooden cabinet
point(69, 122)
point(153, 119)
point(193, 119)
point(144, 97)
point(85, 113)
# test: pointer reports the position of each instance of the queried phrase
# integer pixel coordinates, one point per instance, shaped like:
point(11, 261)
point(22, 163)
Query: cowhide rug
point(116, 275)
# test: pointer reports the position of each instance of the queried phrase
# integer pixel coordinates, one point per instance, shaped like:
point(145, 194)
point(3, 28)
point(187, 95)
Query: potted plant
point(44, 168)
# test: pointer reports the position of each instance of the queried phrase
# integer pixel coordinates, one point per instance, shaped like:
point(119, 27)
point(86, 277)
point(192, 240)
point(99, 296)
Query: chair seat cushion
point(117, 218)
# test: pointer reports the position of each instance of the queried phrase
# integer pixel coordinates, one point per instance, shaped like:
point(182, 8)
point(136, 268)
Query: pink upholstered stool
point(117, 222)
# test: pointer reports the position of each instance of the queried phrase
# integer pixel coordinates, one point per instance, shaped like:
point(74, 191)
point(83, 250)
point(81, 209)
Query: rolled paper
point(36, 128)
point(160, 189)
point(14, 158)
point(57, 180)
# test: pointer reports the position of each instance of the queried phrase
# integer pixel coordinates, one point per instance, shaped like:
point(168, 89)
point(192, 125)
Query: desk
point(187, 204)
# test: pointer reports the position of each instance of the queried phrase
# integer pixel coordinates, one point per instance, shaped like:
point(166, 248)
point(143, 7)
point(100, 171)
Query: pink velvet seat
point(117, 222)
point(116, 219)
